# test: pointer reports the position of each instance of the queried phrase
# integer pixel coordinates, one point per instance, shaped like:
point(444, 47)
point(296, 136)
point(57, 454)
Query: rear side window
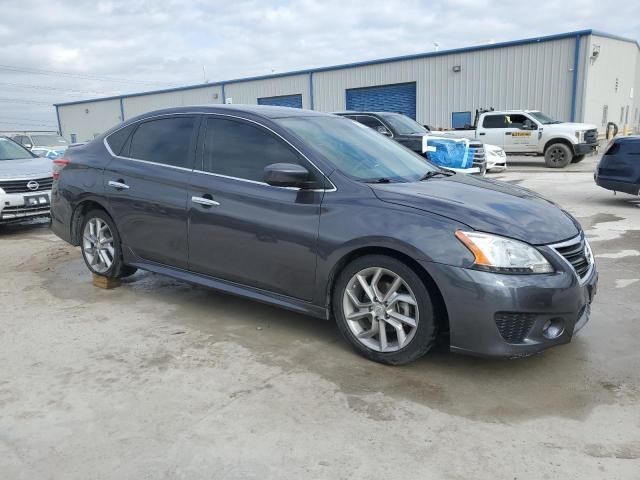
point(494, 121)
point(117, 139)
point(241, 150)
point(166, 141)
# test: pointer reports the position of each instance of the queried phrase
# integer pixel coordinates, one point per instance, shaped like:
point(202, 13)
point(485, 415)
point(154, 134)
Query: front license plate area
point(36, 200)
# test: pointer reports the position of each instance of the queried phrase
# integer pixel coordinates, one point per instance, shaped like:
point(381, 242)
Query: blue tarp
point(449, 152)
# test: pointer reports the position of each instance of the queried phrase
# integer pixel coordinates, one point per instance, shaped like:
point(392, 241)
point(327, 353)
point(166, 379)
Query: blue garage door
point(399, 98)
point(293, 101)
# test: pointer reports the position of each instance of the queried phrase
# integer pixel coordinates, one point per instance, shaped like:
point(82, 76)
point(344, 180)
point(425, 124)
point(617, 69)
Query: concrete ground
point(160, 379)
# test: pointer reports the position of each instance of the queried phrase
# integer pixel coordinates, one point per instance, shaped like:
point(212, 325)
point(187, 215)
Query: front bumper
point(585, 148)
point(13, 206)
point(504, 315)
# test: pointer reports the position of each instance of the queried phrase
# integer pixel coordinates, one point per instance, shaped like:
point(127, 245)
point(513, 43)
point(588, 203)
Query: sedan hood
point(25, 168)
point(487, 206)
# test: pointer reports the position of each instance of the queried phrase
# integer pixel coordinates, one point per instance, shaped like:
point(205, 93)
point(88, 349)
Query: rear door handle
point(207, 202)
point(482, 133)
point(119, 185)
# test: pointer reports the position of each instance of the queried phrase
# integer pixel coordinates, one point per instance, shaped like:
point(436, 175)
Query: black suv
point(314, 213)
point(409, 133)
point(619, 167)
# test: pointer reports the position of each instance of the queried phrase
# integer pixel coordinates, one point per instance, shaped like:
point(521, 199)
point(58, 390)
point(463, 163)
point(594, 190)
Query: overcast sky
point(55, 51)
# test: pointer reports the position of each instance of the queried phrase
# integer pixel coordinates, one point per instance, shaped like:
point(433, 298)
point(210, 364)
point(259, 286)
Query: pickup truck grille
point(591, 136)
point(577, 253)
point(20, 186)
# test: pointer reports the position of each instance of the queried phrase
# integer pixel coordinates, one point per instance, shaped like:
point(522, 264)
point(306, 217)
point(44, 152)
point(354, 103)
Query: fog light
point(553, 328)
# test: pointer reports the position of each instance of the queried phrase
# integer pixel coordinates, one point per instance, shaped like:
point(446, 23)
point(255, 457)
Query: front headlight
point(503, 255)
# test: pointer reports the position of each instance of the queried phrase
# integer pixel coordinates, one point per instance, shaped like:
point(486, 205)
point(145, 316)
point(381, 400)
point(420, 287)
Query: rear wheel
point(101, 246)
point(558, 155)
point(577, 158)
point(384, 310)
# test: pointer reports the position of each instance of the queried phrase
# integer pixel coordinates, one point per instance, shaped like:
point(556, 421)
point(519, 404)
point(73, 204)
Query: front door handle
point(119, 185)
point(207, 202)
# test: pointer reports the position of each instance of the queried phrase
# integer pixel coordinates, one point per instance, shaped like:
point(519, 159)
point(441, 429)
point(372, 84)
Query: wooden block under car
point(104, 282)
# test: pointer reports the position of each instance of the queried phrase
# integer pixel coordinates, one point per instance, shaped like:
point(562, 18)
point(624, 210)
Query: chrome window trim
point(572, 241)
point(106, 144)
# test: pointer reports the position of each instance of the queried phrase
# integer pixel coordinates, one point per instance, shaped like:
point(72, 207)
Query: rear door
point(147, 183)
point(492, 130)
point(243, 230)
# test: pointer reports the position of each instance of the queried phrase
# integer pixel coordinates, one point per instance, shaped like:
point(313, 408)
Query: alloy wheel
point(557, 155)
point(97, 245)
point(380, 309)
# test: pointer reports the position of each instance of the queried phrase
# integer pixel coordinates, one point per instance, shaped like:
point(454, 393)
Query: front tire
point(100, 245)
point(383, 308)
point(558, 155)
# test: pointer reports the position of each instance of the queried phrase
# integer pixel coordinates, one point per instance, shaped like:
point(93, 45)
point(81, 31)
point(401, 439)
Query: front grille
point(479, 157)
point(9, 213)
point(576, 252)
point(20, 186)
point(591, 136)
point(514, 326)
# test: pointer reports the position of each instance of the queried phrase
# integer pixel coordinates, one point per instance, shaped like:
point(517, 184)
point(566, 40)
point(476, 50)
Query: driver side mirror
point(384, 131)
point(28, 146)
point(286, 175)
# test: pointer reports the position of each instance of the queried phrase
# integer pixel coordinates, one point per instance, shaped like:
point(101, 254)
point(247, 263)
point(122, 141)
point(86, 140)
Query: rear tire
point(383, 308)
point(100, 243)
point(577, 158)
point(557, 155)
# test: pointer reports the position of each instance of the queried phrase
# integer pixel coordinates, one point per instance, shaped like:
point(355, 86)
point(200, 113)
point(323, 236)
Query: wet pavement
point(161, 379)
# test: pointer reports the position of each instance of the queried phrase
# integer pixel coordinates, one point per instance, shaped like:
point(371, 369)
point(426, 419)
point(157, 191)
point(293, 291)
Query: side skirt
point(256, 294)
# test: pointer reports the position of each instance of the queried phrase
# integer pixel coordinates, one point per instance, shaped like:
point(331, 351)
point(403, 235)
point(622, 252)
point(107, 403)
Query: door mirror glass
point(383, 130)
point(286, 175)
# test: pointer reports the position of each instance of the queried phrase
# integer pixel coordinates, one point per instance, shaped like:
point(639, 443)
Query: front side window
point(242, 150)
point(494, 121)
point(517, 121)
point(370, 122)
point(357, 151)
point(166, 141)
point(402, 124)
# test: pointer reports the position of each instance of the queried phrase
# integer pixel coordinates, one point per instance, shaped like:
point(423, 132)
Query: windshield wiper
point(435, 173)
point(378, 180)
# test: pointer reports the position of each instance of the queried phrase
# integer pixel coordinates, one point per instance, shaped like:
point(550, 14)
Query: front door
point(243, 230)
point(147, 183)
point(518, 134)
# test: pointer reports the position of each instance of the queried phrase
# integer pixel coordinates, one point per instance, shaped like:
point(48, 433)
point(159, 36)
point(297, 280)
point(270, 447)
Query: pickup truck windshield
point(542, 118)
point(12, 151)
point(358, 151)
point(403, 125)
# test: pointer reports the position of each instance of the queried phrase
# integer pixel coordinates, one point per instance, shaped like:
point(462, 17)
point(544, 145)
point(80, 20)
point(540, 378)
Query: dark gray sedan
point(314, 213)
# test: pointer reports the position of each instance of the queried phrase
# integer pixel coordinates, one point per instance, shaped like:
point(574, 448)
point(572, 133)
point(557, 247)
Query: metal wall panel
point(138, 105)
point(612, 80)
point(249, 92)
point(89, 119)
point(522, 76)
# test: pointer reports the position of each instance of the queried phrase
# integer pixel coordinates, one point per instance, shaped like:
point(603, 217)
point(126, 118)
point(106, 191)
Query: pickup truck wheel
point(558, 155)
point(577, 158)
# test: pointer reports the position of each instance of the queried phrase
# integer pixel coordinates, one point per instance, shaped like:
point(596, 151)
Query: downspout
point(224, 100)
point(121, 110)
point(574, 85)
point(311, 90)
point(59, 125)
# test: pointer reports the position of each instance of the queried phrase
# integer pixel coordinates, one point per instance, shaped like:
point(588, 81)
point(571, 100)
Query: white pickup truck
point(532, 132)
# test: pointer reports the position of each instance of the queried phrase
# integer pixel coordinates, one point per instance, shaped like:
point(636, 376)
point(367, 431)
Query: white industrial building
point(582, 76)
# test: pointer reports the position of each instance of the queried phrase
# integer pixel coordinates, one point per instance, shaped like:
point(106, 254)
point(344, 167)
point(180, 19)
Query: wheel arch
point(558, 140)
point(79, 212)
point(442, 316)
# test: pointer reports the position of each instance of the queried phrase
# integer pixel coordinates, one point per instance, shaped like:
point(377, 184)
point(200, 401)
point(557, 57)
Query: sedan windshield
point(358, 151)
point(542, 118)
point(402, 124)
point(48, 140)
point(10, 150)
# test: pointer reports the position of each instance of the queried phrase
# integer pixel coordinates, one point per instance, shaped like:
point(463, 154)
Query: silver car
point(25, 183)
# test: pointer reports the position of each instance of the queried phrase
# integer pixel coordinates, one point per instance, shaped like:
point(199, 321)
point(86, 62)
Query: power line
point(29, 102)
point(22, 119)
point(85, 76)
point(69, 91)
point(30, 124)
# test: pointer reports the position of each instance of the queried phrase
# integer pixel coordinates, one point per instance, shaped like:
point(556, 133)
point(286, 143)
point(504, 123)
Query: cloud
point(167, 43)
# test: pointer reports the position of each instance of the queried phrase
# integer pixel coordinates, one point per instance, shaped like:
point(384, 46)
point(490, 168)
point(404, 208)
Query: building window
point(460, 119)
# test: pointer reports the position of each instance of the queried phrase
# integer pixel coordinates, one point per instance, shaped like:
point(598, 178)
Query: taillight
point(58, 165)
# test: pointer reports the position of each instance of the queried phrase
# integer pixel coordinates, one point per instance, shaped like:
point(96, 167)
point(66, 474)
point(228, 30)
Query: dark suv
point(619, 167)
point(409, 133)
point(314, 213)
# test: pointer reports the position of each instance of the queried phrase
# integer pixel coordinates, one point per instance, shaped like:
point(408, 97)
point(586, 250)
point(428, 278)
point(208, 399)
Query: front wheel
point(101, 246)
point(384, 310)
point(558, 155)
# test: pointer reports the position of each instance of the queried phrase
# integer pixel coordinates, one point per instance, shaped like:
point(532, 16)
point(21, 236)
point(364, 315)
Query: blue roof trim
point(526, 41)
